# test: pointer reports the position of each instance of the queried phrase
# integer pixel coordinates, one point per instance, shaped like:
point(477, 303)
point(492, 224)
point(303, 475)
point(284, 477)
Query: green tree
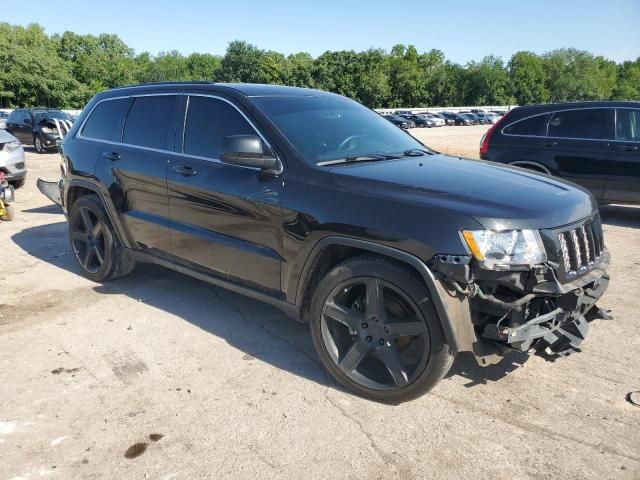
point(527, 76)
point(628, 85)
point(299, 70)
point(486, 83)
point(203, 66)
point(241, 63)
point(407, 81)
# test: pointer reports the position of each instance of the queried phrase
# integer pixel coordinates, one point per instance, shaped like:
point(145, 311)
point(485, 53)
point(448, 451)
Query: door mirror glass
point(247, 151)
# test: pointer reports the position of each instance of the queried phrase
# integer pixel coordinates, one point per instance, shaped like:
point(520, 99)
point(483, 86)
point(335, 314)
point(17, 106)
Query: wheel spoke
point(375, 299)
point(393, 362)
point(96, 231)
point(406, 329)
point(86, 219)
point(98, 255)
point(348, 317)
point(80, 236)
point(88, 257)
point(355, 355)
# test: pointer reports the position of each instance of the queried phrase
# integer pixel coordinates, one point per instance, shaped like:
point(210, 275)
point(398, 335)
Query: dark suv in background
point(398, 257)
point(44, 128)
point(593, 144)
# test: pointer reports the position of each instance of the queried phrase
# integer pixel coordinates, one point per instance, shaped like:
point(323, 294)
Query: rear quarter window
point(105, 121)
point(628, 125)
point(532, 127)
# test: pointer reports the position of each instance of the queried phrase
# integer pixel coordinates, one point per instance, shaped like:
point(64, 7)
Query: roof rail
point(154, 84)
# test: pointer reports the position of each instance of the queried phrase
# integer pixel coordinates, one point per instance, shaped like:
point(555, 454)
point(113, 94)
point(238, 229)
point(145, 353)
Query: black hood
point(497, 196)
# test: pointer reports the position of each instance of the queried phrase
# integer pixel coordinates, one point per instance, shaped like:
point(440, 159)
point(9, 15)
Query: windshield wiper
point(369, 157)
point(416, 152)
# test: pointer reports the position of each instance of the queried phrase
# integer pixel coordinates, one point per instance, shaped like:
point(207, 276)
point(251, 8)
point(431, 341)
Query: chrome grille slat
point(581, 247)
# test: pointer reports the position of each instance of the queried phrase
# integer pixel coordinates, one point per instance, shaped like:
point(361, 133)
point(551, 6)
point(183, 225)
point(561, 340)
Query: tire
point(37, 144)
point(9, 213)
point(394, 360)
point(19, 183)
point(94, 242)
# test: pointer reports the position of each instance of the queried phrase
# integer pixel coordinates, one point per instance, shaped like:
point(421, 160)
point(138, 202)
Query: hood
point(6, 137)
point(497, 196)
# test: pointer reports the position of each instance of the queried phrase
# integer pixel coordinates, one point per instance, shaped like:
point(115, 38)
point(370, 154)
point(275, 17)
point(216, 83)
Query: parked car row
point(407, 119)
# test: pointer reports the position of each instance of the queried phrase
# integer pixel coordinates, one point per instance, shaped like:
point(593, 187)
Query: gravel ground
point(160, 376)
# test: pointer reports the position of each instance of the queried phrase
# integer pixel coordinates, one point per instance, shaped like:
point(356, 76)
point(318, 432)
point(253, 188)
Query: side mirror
point(247, 151)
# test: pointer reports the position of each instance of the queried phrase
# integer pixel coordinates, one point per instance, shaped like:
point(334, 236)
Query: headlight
point(12, 146)
point(506, 250)
point(48, 130)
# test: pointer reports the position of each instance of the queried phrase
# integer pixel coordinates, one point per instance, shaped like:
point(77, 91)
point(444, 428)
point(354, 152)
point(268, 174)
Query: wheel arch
point(78, 188)
point(531, 166)
point(332, 250)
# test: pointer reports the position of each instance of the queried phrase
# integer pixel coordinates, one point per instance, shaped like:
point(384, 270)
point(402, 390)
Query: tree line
point(66, 70)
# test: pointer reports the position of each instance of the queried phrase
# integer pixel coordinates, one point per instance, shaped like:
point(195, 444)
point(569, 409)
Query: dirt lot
point(161, 376)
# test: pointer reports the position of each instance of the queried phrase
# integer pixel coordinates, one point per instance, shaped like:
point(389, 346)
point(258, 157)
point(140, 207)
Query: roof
point(584, 104)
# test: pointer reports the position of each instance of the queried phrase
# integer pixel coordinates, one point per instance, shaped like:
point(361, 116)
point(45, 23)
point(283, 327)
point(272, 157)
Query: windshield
point(39, 115)
point(328, 127)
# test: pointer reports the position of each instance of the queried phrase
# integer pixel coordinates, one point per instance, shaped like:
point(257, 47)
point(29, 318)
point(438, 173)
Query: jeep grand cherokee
point(398, 257)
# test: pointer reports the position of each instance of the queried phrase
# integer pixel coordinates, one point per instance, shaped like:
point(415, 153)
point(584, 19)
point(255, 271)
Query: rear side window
point(209, 120)
point(534, 126)
point(588, 124)
point(105, 121)
point(148, 122)
point(628, 125)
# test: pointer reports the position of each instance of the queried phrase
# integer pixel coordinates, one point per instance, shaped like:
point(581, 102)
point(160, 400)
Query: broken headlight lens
point(506, 250)
point(49, 130)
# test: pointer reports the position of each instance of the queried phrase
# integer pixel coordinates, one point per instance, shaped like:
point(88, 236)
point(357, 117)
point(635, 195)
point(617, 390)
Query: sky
point(464, 30)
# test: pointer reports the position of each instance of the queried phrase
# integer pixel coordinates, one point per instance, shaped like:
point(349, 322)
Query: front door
point(577, 147)
point(224, 217)
point(623, 185)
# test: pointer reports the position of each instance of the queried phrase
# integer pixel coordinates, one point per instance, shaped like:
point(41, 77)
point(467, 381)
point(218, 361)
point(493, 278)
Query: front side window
point(148, 121)
point(628, 125)
point(588, 124)
point(209, 120)
point(533, 127)
point(324, 128)
point(105, 122)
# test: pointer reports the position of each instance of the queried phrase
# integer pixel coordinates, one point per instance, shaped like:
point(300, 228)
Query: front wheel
point(37, 143)
point(94, 243)
point(377, 332)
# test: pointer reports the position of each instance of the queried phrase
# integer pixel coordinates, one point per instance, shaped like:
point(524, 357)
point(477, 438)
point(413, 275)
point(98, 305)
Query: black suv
point(398, 257)
point(594, 144)
point(44, 128)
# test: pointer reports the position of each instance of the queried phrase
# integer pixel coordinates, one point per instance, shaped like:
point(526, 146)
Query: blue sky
point(464, 30)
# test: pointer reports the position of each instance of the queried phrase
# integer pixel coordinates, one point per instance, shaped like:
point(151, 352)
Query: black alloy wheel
point(377, 331)
point(88, 241)
point(375, 334)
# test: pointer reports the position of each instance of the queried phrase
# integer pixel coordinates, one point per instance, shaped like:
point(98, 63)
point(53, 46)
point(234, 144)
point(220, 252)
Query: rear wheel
point(377, 332)
point(37, 143)
point(94, 243)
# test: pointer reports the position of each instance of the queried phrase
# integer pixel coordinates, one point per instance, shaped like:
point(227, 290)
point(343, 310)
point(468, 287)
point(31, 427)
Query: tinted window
point(534, 126)
point(147, 124)
point(209, 120)
point(628, 125)
point(105, 122)
point(15, 117)
point(588, 123)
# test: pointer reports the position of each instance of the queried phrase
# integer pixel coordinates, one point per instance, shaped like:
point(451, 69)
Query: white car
point(12, 161)
point(439, 122)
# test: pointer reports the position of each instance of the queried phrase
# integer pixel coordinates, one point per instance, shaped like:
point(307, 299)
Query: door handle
point(111, 155)
point(184, 171)
point(551, 144)
point(626, 148)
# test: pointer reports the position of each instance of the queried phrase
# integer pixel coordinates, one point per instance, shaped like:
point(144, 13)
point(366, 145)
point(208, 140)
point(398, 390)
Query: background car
point(457, 118)
point(399, 121)
point(445, 121)
point(12, 159)
point(419, 120)
point(44, 128)
point(593, 144)
point(3, 119)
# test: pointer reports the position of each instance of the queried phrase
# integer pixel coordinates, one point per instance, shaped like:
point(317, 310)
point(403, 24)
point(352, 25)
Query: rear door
point(20, 125)
point(135, 170)
point(577, 147)
point(226, 218)
point(623, 182)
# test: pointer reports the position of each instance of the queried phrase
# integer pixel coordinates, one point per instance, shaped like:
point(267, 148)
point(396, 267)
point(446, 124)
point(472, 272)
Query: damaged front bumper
point(520, 310)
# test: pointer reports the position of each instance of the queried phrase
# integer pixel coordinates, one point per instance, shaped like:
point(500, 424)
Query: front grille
point(19, 165)
point(581, 247)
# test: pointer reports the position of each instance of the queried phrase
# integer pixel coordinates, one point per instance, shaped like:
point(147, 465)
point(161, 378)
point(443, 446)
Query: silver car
point(12, 159)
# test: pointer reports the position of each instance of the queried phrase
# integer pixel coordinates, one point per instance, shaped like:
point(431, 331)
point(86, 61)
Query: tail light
point(484, 142)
